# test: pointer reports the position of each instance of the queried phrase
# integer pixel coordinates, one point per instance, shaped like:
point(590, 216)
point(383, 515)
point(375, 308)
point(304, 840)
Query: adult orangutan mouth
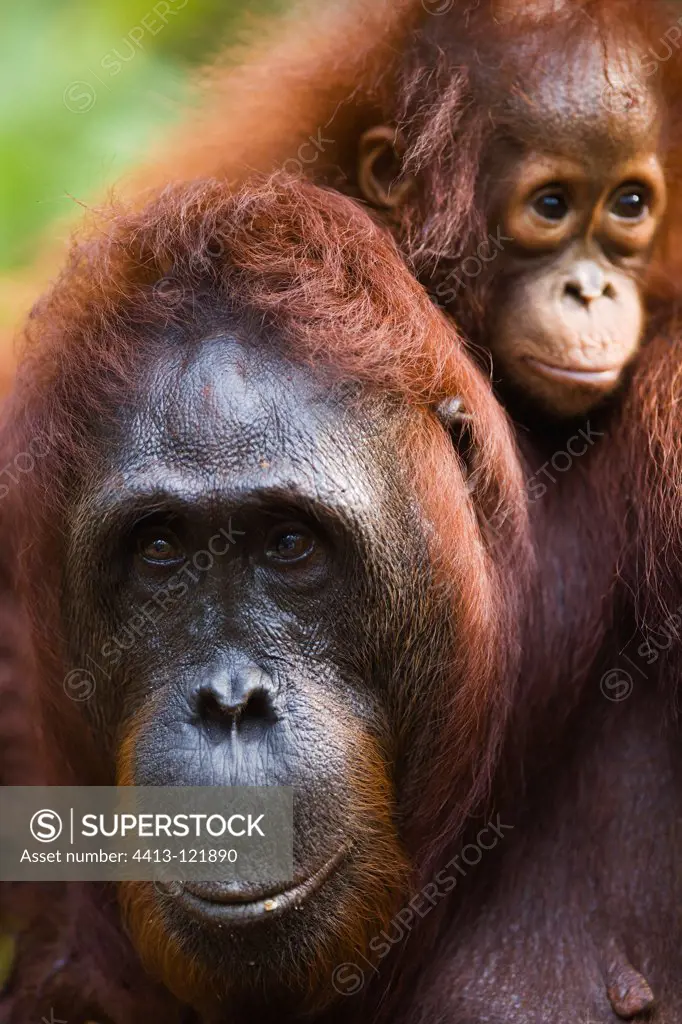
point(213, 902)
point(592, 378)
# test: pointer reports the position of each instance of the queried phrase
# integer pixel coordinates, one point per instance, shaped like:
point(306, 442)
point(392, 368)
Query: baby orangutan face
point(581, 201)
point(574, 186)
point(571, 313)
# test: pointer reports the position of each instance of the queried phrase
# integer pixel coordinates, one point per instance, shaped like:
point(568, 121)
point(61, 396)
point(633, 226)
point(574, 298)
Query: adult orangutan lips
point(213, 901)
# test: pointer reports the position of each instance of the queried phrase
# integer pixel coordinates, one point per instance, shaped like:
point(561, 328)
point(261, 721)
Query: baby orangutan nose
point(588, 281)
point(232, 700)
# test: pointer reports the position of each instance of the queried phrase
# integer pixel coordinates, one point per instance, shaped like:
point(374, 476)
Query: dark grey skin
point(246, 677)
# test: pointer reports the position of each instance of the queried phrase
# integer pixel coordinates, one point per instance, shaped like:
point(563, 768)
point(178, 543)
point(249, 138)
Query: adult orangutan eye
point(289, 545)
point(158, 546)
point(551, 205)
point(631, 202)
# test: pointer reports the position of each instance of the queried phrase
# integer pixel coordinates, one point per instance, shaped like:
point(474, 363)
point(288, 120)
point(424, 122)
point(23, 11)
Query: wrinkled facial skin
point(273, 666)
point(579, 203)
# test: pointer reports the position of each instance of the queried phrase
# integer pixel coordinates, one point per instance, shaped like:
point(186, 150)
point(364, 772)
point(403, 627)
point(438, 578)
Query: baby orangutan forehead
point(585, 102)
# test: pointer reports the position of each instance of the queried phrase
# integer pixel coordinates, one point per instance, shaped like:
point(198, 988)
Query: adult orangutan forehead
point(584, 100)
point(224, 415)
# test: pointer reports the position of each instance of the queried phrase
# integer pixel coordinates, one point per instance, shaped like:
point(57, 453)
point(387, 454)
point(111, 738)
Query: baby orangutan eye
point(631, 202)
point(551, 205)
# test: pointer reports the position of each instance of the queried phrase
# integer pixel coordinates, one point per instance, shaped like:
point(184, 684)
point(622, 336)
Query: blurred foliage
point(86, 86)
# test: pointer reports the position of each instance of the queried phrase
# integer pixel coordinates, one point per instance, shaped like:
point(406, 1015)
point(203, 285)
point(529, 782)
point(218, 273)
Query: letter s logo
point(46, 826)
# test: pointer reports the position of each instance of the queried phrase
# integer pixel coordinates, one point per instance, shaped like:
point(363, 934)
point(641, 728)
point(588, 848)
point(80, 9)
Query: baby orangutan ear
point(380, 153)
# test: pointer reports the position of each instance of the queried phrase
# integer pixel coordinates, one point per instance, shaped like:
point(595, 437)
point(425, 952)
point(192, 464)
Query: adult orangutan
point(260, 359)
point(518, 150)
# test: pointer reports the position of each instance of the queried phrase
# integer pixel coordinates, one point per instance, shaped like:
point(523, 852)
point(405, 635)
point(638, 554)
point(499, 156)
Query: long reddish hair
point(313, 267)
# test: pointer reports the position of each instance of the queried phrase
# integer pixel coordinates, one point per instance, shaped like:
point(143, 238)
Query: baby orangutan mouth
point(604, 378)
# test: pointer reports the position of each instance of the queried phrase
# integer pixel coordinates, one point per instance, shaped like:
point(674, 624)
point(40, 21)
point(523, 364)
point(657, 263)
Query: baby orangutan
point(570, 189)
point(518, 149)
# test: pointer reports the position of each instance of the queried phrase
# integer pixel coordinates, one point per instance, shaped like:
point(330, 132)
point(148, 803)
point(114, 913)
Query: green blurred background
point(86, 88)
